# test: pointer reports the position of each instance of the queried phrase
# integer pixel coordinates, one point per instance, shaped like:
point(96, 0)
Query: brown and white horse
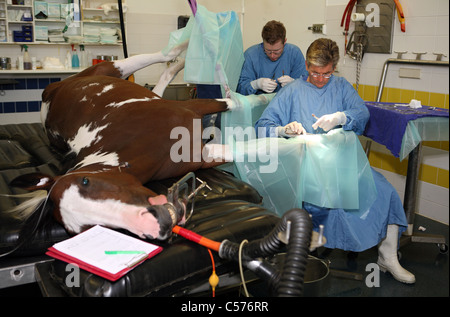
point(120, 135)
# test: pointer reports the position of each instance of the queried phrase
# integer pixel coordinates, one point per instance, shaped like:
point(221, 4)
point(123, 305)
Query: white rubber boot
point(388, 259)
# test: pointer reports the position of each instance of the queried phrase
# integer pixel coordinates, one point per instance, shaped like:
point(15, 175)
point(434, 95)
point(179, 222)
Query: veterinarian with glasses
point(272, 64)
point(318, 103)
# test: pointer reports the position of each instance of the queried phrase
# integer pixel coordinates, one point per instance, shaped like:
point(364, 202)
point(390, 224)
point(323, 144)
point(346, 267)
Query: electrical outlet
point(318, 28)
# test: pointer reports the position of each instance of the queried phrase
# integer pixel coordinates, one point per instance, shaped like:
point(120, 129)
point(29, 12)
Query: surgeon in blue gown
point(318, 103)
point(272, 64)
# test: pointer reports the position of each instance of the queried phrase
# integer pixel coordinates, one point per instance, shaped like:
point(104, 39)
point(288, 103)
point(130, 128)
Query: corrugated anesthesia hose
point(288, 281)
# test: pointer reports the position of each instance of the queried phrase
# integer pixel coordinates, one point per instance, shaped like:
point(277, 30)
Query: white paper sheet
point(90, 247)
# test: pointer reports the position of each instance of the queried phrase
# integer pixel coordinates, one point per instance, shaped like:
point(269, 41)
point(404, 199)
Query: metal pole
point(403, 61)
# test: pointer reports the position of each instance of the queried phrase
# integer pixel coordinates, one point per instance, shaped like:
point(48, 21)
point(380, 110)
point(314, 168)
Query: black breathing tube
point(297, 224)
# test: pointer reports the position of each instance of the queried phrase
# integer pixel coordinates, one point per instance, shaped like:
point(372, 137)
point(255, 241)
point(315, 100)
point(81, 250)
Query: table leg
point(409, 204)
point(412, 180)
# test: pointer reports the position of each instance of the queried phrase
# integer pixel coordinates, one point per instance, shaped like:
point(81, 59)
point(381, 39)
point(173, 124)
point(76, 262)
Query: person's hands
point(284, 80)
point(292, 129)
point(329, 121)
point(265, 84)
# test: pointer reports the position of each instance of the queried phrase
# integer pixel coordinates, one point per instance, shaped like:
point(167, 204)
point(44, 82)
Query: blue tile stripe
point(29, 83)
point(20, 106)
point(24, 84)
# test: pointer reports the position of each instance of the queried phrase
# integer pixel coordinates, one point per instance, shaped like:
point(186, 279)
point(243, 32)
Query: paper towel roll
point(358, 17)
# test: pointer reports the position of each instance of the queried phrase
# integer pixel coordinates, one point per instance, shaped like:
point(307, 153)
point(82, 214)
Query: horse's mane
point(33, 213)
point(25, 209)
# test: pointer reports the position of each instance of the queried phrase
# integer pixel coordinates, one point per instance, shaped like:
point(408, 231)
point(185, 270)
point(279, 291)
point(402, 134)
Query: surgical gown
point(299, 100)
point(258, 65)
point(344, 229)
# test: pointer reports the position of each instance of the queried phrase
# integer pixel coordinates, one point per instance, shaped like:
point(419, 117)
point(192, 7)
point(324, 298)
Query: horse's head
point(111, 198)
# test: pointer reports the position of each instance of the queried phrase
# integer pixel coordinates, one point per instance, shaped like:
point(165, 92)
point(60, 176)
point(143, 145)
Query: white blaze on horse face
point(77, 212)
point(85, 137)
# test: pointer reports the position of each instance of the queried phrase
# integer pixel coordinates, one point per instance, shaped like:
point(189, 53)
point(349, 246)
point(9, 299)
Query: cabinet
point(85, 22)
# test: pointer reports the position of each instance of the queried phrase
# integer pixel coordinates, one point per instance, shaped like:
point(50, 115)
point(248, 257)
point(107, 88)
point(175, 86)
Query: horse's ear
point(33, 181)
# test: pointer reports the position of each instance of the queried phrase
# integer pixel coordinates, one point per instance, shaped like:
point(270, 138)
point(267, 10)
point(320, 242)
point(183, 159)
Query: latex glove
point(265, 84)
point(290, 130)
point(284, 80)
point(329, 121)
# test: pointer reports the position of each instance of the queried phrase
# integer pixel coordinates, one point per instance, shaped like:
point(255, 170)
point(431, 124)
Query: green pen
point(124, 252)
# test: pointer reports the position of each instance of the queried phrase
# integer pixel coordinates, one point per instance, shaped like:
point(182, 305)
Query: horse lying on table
point(120, 135)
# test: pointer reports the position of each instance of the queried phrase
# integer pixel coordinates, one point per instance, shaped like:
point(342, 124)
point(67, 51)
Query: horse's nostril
point(149, 236)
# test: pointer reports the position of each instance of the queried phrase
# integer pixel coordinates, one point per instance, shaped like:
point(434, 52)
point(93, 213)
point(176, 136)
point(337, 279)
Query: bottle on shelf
point(75, 59)
point(27, 65)
point(83, 57)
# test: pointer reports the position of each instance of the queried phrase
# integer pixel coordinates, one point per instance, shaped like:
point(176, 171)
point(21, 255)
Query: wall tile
point(21, 85)
point(442, 179)
point(406, 96)
point(394, 95)
point(32, 83)
point(428, 174)
point(34, 106)
point(9, 107)
point(43, 82)
point(21, 106)
point(437, 100)
point(27, 101)
point(423, 96)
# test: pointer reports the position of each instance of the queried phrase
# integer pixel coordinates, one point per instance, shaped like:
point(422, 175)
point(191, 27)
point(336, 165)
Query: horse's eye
point(85, 181)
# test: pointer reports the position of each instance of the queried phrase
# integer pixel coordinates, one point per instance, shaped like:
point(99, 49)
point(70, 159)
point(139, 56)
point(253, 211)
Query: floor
point(430, 266)
point(424, 260)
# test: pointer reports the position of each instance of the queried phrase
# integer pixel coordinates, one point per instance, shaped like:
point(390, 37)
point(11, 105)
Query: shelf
point(42, 71)
point(20, 22)
point(101, 22)
point(39, 26)
point(50, 20)
point(99, 9)
point(119, 43)
point(18, 6)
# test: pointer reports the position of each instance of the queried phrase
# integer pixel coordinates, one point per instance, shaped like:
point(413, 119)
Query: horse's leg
point(125, 67)
point(208, 106)
point(167, 76)
point(132, 64)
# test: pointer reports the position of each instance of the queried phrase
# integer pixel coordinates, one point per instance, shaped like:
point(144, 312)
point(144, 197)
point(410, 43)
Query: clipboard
point(89, 249)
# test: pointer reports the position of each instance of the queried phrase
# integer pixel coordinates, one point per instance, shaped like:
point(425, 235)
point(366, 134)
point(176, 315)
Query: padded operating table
point(226, 208)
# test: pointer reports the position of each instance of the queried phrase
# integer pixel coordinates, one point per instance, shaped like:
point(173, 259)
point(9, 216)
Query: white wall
point(427, 26)
point(427, 30)
point(149, 24)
